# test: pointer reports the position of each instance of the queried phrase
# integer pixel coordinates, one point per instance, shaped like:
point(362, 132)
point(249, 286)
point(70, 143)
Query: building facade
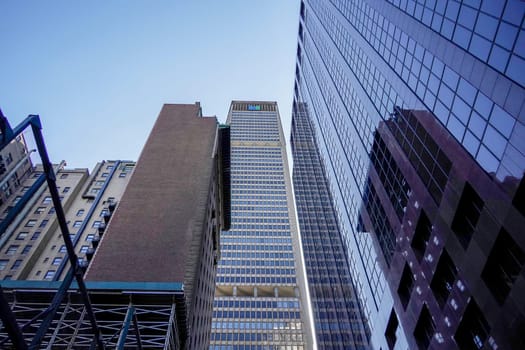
point(417, 110)
point(32, 247)
point(260, 297)
point(338, 318)
point(147, 240)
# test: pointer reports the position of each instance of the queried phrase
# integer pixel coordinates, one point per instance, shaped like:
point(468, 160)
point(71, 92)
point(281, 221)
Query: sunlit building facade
point(338, 318)
point(260, 298)
point(417, 110)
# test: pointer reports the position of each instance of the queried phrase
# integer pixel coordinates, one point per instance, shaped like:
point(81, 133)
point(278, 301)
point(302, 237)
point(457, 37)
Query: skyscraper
point(260, 298)
point(417, 111)
point(338, 318)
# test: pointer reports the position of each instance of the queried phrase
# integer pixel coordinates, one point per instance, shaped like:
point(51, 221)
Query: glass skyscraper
point(338, 318)
point(417, 109)
point(260, 298)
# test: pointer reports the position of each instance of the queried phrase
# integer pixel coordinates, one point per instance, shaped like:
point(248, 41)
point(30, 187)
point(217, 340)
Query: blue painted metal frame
point(8, 135)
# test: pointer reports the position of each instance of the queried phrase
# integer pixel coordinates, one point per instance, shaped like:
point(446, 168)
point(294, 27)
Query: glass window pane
point(486, 26)
point(514, 11)
point(502, 121)
point(471, 143)
point(487, 160)
point(467, 17)
point(480, 47)
point(477, 125)
point(506, 35)
point(516, 69)
point(498, 58)
point(461, 110)
point(483, 105)
point(462, 36)
point(466, 91)
point(494, 141)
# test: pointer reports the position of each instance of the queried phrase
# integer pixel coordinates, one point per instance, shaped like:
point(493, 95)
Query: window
point(35, 235)
point(122, 175)
point(467, 215)
point(443, 279)
point(63, 249)
point(90, 237)
point(391, 329)
point(51, 210)
point(84, 248)
point(80, 212)
point(405, 286)
point(64, 176)
point(3, 264)
point(22, 236)
point(57, 261)
point(77, 223)
point(17, 199)
point(473, 330)
point(96, 224)
point(99, 183)
point(16, 264)
point(31, 223)
point(425, 328)
point(49, 274)
point(43, 223)
point(40, 210)
point(109, 167)
point(46, 200)
point(12, 249)
point(95, 190)
point(421, 235)
point(26, 249)
point(104, 175)
point(104, 212)
point(503, 266)
point(66, 189)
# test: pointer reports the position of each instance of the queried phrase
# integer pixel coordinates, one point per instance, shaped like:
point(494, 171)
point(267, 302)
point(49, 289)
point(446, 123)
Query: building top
point(149, 237)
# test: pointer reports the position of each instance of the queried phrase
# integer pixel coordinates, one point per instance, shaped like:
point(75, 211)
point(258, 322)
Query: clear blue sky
point(98, 72)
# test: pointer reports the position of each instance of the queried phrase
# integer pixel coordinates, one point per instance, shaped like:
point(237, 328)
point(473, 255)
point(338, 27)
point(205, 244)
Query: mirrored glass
point(498, 58)
point(483, 105)
point(462, 36)
point(487, 160)
point(486, 26)
point(494, 141)
point(447, 29)
point(506, 35)
point(502, 121)
point(480, 47)
point(516, 69)
point(467, 16)
point(471, 143)
point(452, 10)
point(514, 11)
point(493, 7)
point(466, 91)
point(461, 110)
point(520, 44)
point(477, 124)
point(450, 78)
point(455, 127)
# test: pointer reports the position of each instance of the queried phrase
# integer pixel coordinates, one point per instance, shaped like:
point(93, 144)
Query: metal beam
point(51, 311)
point(61, 218)
point(125, 328)
point(10, 324)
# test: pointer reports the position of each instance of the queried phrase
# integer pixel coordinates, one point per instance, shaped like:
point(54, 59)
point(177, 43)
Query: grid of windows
point(256, 276)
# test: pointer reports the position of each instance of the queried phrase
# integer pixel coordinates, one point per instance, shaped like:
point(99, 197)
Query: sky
point(98, 72)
